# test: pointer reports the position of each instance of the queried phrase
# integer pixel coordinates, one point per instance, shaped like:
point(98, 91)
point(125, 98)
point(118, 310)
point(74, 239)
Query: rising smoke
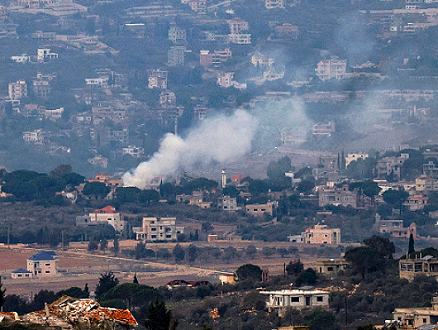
point(220, 139)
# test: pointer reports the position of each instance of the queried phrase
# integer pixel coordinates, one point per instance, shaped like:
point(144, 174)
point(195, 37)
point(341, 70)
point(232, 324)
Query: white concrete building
point(272, 4)
point(36, 136)
point(331, 69)
point(158, 229)
point(177, 34)
point(23, 58)
point(280, 300)
point(17, 90)
point(109, 215)
point(45, 54)
point(355, 156)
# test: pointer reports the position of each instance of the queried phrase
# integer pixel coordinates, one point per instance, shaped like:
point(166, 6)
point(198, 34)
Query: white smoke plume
point(220, 139)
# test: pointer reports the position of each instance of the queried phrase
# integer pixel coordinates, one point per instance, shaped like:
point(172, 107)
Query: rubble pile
point(77, 314)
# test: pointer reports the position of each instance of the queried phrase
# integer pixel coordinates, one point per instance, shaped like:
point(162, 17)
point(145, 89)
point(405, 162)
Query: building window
point(47, 271)
point(19, 275)
point(295, 299)
point(424, 320)
point(319, 299)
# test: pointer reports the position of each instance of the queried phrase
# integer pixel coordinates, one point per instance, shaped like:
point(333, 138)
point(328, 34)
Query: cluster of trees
point(33, 186)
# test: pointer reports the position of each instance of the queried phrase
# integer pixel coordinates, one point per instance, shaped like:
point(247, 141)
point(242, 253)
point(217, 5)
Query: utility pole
point(9, 235)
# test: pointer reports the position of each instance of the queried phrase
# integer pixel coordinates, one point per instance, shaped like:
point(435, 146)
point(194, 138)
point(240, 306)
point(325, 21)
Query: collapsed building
point(74, 314)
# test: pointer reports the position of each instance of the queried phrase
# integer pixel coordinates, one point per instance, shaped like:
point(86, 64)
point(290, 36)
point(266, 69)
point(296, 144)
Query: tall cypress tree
point(411, 247)
point(2, 294)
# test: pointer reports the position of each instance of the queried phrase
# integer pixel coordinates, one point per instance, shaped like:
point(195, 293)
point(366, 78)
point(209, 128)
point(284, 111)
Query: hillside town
point(213, 165)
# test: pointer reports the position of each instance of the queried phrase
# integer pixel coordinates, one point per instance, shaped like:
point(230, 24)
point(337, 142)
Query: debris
point(74, 314)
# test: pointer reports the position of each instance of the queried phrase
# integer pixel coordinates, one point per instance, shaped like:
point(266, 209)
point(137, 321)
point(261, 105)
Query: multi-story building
point(391, 166)
point(157, 79)
point(216, 58)
point(272, 4)
point(286, 31)
point(298, 299)
point(101, 82)
point(355, 156)
point(321, 234)
point(109, 215)
point(426, 265)
point(225, 79)
point(417, 317)
point(23, 58)
point(36, 136)
point(323, 129)
point(330, 267)
point(158, 229)
point(424, 183)
point(198, 6)
point(41, 86)
point(331, 69)
point(237, 25)
point(395, 228)
point(177, 34)
point(227, 203)
point(17, 90)
point(337, 196)
point(136, 152)
point(43, 264)
point(45, 54)
point(259, 210)
point(240, 38)
point(176, 55)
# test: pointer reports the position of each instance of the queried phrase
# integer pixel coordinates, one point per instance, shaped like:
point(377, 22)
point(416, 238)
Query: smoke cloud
point(220, 139)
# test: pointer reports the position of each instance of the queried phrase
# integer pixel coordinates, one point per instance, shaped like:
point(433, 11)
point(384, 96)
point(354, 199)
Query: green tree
point(384, 247)
point(411, 247)
point(135, 280)
point(92, 245)
point(192, 253)
point(2, 294)
point(294, 267)
point(361, 169)
point(306, 186)
point(364, 259)
point(395, 198)
point(132, 294)
point(231, 191)
point(249, 272)
point(251, 251)
point(320, 320)
point(127, 194)
point(72, 292)
point(103, 244)
point(277, 169)
point(116, 246)
point(97, 189)
point(158, 317)
point(307, 277)
point(60, 171)
point(107, 281)
point(178, 253)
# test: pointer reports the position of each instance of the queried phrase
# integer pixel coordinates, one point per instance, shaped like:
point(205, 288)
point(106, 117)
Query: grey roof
point(428, 257)
point(44, 255)
point(21, 270)
point(427, 327)
point(306, 288)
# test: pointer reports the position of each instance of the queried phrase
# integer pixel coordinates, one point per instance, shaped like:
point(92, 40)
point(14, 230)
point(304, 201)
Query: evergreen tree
point(135, 280)
point(2, 294)
point(107, 281)
point(86, 291)
point(116, 247)
point(411, 247)
point(158, 317)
